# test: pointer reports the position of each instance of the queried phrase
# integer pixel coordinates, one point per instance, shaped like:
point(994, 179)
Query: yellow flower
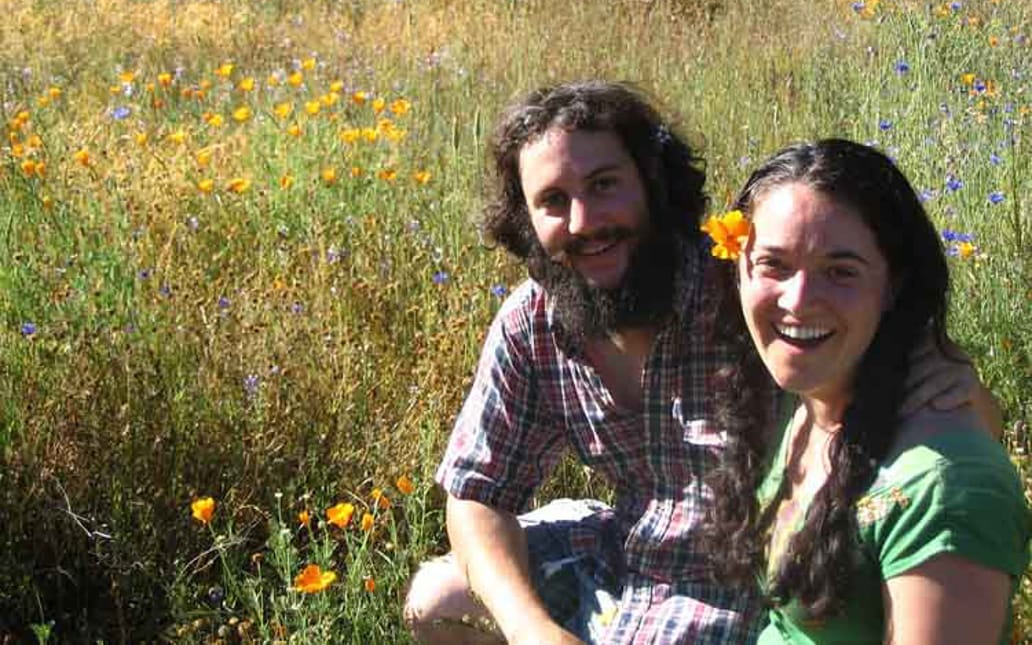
point(340, 515)
point(178, 137)
point(41, 169)
point(216, 121)
point(206, 84)
point(370, 134)
point(283, 110)
point(285, 182)
point(246, 84)
point(400, 107)
point(313, 580)
point(203, 157)
point(380, 499)
point(164, 79)
point(296, 79)
point(356, 171)
point(224, 70)
point(729, 233)
point(294, 130)
point(965, 250)
point(379, 104)
point(28, 167)
point(238, 185)
point(82, 157)
point(242, 114)
point(993, 41)
point(17, 150)
point(369, 584)
point(312, 107)
point(304, 518)
point(336, 87)
point(114, 89)
point(350, 135)
point(206, 186)
point(47, 201)
point(387, 174)
point(126, 77)
point(359, 97)
point(273, 80)
point(43, 101)
point(967, 79)
point(367, 522)
point(34, 141)
point(22, 117)
point(202, 509)
point(395, 135)
point(141, 138)
point(329, 175)
point(54, 93)
point(404, 485)
point(308, 64)
point(149, 87)
point(329, 99)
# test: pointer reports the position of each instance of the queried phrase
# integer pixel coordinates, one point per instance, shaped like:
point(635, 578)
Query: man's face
point(596, 253)
point(586, 201)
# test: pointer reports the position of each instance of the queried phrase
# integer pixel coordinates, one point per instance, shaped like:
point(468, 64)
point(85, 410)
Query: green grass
point(289, 349)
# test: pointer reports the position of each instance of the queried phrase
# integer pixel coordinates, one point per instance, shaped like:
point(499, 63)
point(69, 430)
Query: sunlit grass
point(240, 260)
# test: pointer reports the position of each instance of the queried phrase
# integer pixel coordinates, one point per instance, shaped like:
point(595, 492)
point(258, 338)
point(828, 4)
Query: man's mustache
point(605, 236)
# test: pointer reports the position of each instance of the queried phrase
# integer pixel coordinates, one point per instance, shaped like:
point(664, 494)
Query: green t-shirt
point(952, 491)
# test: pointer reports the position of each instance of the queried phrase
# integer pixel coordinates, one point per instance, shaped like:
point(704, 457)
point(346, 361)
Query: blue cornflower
point(884, 125)
point(251, 383)
point(28, 329)
point(144, 274)
point(926, 195)
point(979, 85)
point(950, 235)
point(120, 112)
point(902, 67)
point(297, 307)
point(956, 6)
point(440, 277)
point(498, 290)
point(165, 290)
point(953, 184)
point(223, 302)
point(858, 7)
point(995, 159)
point(996, 197)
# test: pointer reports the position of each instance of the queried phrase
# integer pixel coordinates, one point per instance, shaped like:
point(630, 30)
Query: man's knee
point(439, 607)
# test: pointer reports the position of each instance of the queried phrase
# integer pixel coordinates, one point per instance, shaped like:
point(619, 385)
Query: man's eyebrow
point(606, 167)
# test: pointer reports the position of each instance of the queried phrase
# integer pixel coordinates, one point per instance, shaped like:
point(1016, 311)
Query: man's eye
point(841, 273)
point(553, 200)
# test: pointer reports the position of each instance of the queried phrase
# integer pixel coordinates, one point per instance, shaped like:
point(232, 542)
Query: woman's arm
point(948, 599)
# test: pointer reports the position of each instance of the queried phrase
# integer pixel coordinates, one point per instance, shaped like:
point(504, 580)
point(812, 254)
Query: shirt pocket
point(697, 432)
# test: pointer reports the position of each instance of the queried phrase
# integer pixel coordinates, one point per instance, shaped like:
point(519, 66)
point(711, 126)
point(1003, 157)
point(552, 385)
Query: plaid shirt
point(531, 400)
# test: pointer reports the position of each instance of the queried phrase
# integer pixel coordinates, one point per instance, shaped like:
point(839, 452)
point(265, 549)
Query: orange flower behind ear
point(729, 233)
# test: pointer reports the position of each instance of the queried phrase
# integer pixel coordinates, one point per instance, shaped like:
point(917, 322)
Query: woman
point(868, 525)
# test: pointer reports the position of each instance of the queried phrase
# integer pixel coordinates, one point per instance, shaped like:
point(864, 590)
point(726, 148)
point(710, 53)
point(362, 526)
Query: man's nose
point(581, 221)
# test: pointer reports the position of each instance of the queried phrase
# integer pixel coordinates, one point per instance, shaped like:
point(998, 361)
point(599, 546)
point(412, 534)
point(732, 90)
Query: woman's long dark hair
point(815, 570)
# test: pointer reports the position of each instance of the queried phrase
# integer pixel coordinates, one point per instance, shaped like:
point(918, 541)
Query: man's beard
point(644, 296)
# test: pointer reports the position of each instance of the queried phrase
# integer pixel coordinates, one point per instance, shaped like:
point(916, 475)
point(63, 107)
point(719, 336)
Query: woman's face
point(814, 285)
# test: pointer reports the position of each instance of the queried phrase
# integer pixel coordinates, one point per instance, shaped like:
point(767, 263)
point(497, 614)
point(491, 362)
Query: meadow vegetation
point(239, 261)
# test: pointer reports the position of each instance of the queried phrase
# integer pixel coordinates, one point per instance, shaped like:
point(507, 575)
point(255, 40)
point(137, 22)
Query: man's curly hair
point(671, 172)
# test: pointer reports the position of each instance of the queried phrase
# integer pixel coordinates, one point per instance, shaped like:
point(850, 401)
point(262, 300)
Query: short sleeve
point(502, 445)
point(967, 502)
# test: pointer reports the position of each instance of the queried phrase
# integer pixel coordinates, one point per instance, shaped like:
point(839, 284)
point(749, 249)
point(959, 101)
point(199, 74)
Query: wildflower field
point(242, 290)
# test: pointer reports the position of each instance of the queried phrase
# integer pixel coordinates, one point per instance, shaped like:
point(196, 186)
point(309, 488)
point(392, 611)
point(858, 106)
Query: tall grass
point(300, 341)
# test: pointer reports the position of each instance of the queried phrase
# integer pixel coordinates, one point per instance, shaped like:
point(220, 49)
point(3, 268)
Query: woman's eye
point(842, 273)
point(553, 200)
point(604, 183)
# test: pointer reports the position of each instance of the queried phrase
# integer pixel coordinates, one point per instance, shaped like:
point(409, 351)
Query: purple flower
point(223, 302)
point(926, 195)
point(858, 7)
point(28, 329)
point(956, 6)
point(995, 159)
point(440, 277)
point(297, 307)
point(996, 197)
point(251, 383)
point(902, 67)
point(884, 125)
point(120, 112)
point(165, 290)
point(979, 85)
point(498, 290)
point(144, 274)
point(193, 223)
point(953, 184)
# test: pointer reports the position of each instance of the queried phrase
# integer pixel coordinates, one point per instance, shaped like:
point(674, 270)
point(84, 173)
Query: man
point(608, 350)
